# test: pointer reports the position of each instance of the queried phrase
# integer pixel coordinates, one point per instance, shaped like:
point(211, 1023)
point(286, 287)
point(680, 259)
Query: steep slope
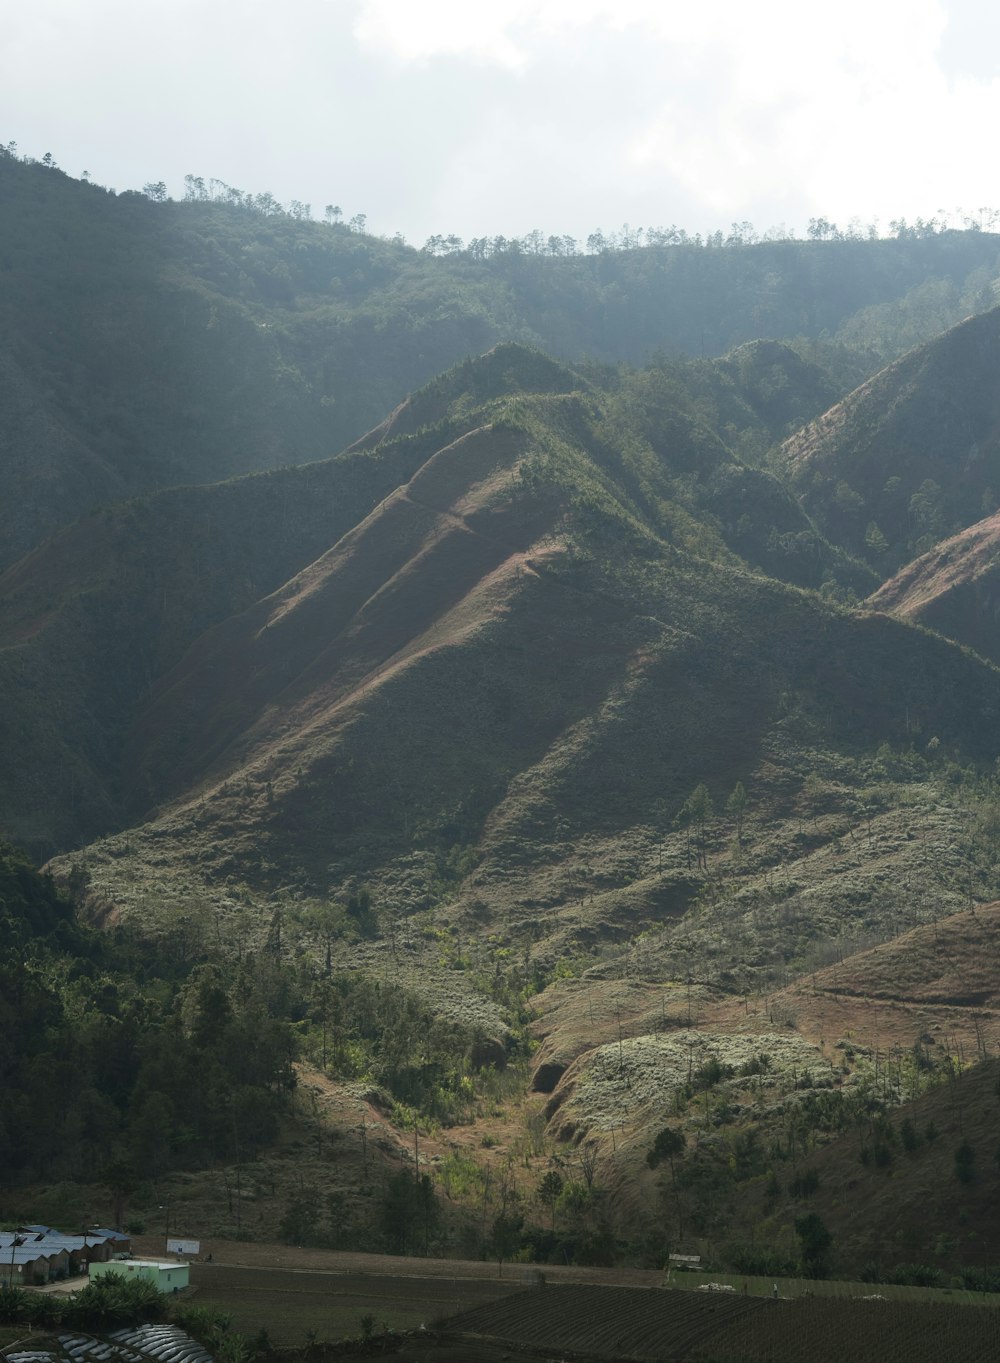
point(953, 588)
point(921, 1207)
point(913, 454)
point(505, 679)
point(495, 700)
point(90, 622)
point(92, 618)
point(147, 344)
point(794, 1100)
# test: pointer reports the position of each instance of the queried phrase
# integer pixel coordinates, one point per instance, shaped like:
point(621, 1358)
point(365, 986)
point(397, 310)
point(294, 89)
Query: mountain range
point(644, 702)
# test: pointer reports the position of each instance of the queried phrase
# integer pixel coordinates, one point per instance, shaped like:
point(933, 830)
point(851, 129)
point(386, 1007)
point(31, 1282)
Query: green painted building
point(167, 1274)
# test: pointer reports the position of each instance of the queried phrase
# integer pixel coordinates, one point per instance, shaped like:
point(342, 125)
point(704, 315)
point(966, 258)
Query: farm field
point(670, 1325)
point(835, 1287)
point(828, 1331)
point(293, 1306)
point(609, 1322)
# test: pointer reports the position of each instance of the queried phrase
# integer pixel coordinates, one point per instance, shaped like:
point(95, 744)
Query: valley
point(500, 804)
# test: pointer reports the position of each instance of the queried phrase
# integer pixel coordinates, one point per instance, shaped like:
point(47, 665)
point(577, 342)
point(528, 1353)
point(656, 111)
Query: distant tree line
point(199, 189)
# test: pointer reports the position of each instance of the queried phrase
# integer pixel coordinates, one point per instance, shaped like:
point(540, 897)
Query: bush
point(13, 1305)
point(805, 1184)
point(114, 1300)
point(965, 1163)
point(909, 1135)
point(915, 1275)
point(42, 1309)
point(759, 1261)
point(985, 1279)
point(203, 1323)
point(816, 1242)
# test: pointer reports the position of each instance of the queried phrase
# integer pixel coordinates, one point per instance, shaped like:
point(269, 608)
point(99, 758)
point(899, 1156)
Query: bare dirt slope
point(954, 588)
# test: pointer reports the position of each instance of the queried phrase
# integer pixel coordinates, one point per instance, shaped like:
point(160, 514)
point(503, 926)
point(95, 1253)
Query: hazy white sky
point(481, 117)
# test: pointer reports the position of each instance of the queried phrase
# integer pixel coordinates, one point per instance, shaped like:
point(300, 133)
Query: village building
point(38, 1254)
point(166, 1274)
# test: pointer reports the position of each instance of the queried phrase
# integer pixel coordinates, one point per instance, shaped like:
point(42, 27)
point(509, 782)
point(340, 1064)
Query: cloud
point(843, 109)
point(444, 115)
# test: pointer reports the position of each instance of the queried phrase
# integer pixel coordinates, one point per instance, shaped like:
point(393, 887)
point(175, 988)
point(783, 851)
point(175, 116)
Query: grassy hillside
point(911, 456)
point(526, 774)
point(93, 623)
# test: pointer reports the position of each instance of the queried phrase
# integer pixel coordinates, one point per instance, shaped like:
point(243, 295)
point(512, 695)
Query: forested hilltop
point(148, 342)
point(496, 797)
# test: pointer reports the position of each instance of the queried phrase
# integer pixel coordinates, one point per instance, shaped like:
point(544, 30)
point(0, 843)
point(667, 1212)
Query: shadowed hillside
point(148, 344)
point(93, 621)
point(913, 454)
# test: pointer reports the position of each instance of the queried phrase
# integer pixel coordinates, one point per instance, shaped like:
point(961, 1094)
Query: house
point(66, 1253)
point(28, 1266)
point(168, 1275)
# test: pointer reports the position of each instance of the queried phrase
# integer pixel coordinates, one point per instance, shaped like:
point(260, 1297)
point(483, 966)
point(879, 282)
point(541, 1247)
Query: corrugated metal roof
point(24, 1254)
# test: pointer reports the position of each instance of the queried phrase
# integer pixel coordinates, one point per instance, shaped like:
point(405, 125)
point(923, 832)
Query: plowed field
point(824, 1330)
point(665, 1326)
point(610, 1322)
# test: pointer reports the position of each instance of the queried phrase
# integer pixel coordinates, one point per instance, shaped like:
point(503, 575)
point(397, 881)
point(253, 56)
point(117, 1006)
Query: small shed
point(166, 1274)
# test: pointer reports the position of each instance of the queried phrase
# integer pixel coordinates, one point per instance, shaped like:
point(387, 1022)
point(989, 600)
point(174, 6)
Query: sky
point(485, 119)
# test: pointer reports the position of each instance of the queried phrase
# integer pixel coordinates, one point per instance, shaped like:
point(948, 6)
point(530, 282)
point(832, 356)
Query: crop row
point(639, 1322)
point(830, 1330)
point(661, 1324)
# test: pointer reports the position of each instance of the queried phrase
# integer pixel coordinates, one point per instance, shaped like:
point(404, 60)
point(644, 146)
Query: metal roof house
point(31, 1265)
point(167, 1274)
point(66, 1253)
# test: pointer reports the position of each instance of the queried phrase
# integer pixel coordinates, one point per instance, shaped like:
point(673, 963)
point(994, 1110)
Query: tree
point(736, 807)
point(409, 1210)
point(157, 191)
point(927, 515)
point(815, 1241)
point(122, 1180)
point(505, 1238)
point(875, 540)
point(696, 812)
point(668, 1145)
point(548, 1192)
point(965, 1163)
